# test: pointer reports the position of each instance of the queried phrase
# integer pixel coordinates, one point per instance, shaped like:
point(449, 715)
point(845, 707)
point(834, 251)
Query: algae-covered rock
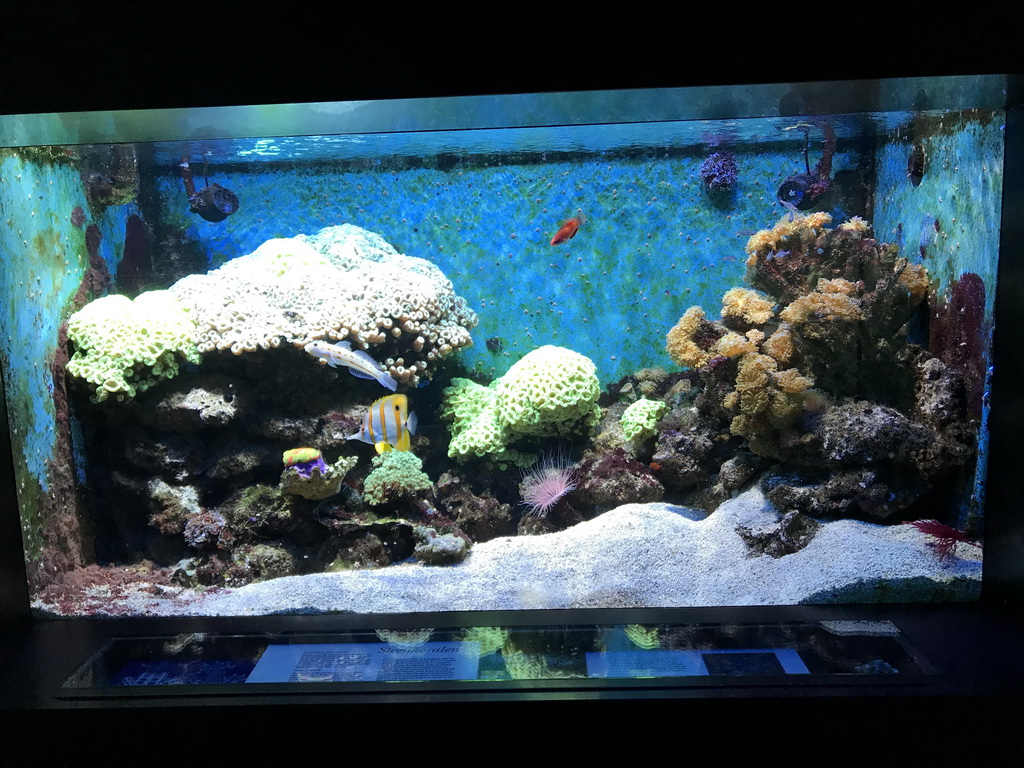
point(444, 549)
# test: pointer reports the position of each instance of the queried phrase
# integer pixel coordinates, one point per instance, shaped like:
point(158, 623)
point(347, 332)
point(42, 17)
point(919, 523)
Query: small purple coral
point(305, 468)
point(719, 172)
point(305, 460)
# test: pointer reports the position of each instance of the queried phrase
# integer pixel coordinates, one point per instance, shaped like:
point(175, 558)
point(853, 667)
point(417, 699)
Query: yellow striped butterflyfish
point(387, 424)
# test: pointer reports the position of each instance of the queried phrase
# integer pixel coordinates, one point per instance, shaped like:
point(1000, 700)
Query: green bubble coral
point(123, 347)
point(639, 418)
point(472, 410)
point(396, 475)
point(549, 392)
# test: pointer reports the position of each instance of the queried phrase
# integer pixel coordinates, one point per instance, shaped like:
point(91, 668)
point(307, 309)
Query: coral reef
point(830, 386)
point(810, 380)
point(285, 292)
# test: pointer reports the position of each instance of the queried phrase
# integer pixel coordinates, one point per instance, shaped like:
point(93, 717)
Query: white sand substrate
point(635, 555)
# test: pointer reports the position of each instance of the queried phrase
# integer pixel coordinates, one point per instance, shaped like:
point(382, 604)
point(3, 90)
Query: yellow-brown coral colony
point(855, 224)
point(746, 305)
point(805, 226)
point(681, 344)
point(734, 345)
point(914, 277)
point(780, 344)
point(838, 289)
point(830, 301)
point(791, 381)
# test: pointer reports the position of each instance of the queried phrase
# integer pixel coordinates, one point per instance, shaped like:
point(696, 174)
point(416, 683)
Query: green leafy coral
point(472, 409)
point(125, 346)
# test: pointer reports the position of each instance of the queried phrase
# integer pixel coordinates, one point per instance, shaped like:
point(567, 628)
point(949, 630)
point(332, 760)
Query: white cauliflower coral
point(342, 283)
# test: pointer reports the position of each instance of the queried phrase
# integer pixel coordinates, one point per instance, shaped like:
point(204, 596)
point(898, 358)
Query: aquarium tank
point(660, 348)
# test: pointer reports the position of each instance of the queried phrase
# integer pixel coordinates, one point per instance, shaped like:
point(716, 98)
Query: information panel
point(745, 661)
point(368, 662)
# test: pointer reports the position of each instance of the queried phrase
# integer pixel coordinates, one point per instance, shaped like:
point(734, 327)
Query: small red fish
point(568, 230)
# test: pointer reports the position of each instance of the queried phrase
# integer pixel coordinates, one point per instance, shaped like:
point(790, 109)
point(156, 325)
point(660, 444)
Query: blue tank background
point(654, 242)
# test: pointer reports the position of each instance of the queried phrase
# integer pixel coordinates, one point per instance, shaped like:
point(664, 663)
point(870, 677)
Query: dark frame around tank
point(1004, 568)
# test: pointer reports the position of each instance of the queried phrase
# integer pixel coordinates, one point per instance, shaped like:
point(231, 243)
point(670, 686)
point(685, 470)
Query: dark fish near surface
point(915, 164)
point(568, 229)
point(930, 228)
point(802, 191)
point(793, 189)
point(214, 202)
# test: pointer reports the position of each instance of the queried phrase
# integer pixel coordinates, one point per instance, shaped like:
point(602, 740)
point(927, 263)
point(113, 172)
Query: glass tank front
point(702, 347)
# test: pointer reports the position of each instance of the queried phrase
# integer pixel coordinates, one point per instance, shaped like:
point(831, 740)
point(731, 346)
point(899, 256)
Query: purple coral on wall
point(719, 172)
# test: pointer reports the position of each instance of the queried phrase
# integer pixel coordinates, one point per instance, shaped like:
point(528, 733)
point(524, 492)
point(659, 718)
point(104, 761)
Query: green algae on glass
point(45, 258)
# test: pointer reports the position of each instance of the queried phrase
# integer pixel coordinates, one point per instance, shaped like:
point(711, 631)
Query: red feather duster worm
point(944, 538)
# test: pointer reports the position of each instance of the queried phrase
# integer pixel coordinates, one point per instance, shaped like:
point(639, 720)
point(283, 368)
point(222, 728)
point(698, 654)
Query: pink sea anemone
point(547, 481)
